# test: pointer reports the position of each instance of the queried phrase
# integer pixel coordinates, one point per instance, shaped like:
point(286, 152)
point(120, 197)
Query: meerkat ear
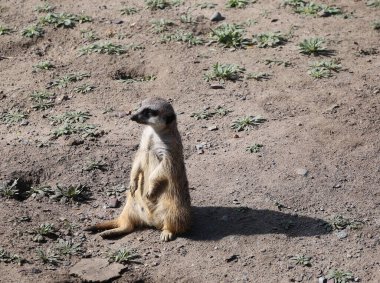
point(169, 119)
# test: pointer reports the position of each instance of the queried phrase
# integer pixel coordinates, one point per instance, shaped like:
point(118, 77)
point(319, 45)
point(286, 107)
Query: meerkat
point(159, 192)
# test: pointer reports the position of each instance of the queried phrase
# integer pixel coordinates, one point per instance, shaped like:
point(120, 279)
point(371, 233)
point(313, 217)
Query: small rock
point(321, 280)
point(341, 234)
point(216, 17)
point(24, 123)
point(97, 269)
point(216, 86)
point(63, 98)
point(236, 136)
point(74, 141)
point(113, 203)
point(302, 172)
point(213, 128)
point(337, 186)
point(117, 22)
point(233, 258)
point(200, 151)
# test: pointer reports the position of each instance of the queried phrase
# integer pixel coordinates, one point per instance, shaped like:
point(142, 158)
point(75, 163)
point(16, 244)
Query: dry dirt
point(330, 127)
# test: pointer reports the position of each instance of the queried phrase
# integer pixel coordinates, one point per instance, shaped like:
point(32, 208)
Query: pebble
point(216, 86)
point(216, 17)
point(341, 234)
point(302, 172)
point(213, 128)
point(337, 186)
point(113, 203)
point(96, 270)
point(74, 141)
point(24, 123)
point(233, 258)
point(117, 22)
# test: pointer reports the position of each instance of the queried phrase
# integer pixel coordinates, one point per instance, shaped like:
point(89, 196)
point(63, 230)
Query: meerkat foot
point(166, 236)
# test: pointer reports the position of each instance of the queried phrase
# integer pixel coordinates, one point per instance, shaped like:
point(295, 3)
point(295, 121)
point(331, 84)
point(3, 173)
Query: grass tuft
point(104, 48)
point(230, 35)
point(221, 72)
point(246, 123)
point(269, 39)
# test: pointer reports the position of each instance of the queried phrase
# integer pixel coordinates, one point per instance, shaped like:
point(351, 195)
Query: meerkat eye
point(150, 112)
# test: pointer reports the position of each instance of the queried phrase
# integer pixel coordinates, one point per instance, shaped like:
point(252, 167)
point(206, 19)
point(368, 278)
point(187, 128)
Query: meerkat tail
point(116, 232)
point(110, 224)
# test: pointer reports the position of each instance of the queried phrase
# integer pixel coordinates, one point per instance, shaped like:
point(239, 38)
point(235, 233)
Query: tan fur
point(159, 193)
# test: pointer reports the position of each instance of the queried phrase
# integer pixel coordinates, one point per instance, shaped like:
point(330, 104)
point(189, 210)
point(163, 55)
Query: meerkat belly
point(146, 208)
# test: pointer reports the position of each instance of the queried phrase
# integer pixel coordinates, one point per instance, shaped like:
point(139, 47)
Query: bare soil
point(252, 211)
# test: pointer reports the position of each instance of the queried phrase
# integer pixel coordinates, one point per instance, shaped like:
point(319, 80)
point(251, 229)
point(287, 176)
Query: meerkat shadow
point(214, 223)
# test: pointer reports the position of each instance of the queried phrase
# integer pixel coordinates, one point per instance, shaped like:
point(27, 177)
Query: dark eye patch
point(147, 112)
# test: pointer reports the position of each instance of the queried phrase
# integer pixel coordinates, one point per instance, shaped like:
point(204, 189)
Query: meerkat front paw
point(166, 236)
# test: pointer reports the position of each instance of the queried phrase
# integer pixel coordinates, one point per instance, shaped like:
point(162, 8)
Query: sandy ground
point(253, 212)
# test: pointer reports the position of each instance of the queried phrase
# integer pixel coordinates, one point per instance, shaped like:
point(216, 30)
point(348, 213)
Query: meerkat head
point(155, 112)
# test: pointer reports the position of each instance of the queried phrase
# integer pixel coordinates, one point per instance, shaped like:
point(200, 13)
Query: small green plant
point(230, 35)
point(272, 62)
point(202, 115)
point(237, 3)
point(33, 31)
point(246, 123)
point(104, 48)
point(70, 78)
point(42, 100)
point(7, 257)
point(207, 113)
point(46, 229)
point(221, 72)
point(324, 68)
point(48, 257)
point(207, 5)
point(84, 130)
point(84, 88)
point(317, 9)
point(44, 65)
point(373, 3)
point(185, 37)
point(96, 165)
point(123, 256)
point(45, 8)
point(13, 117)
point(129, 11)
point(258, 76)
point(9, 191)
point(64, 20)
point(319, 72)
point(161, 25)
point(68, 247)
point(222, 111)
point(293, 3)
point(71, 117)
point(89, 35)
point(375, 25)
point(186, 19)
point(4, 30)
point(268, 39)
point(341, 223)
point(71, 193)
point(157, 4)
point(312, 46)
point(302, 260)
point(254, 148)
point(249, 23)
point(340, 276)
point(40, 192)
point(130, 78)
